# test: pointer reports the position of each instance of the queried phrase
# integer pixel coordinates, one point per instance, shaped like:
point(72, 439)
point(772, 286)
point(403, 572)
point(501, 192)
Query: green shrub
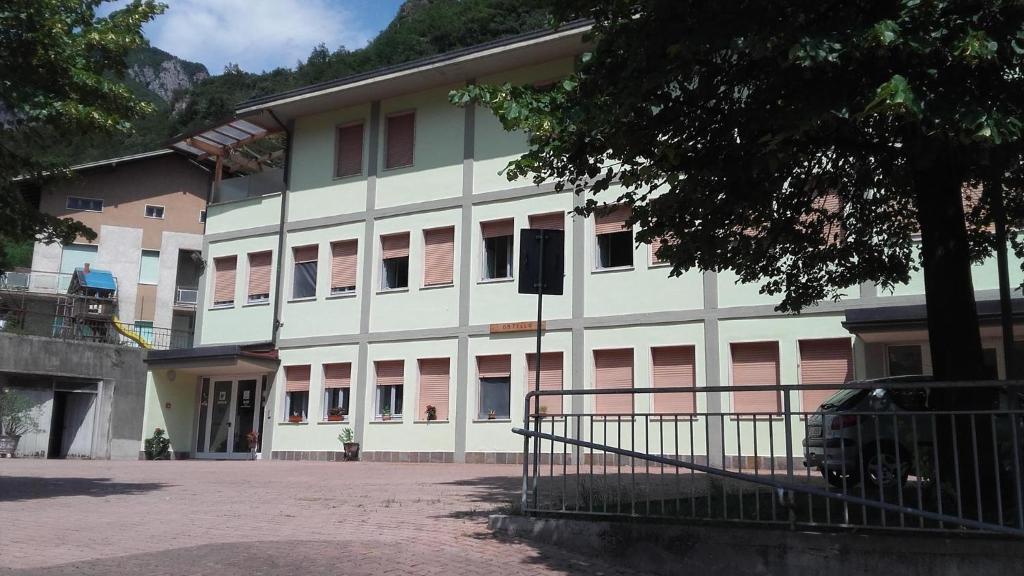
point(158, 447)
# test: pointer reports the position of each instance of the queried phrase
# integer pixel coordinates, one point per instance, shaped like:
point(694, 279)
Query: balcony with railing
point(35, 281)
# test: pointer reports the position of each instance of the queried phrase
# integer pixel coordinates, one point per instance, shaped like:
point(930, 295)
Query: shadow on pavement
point(15, 488)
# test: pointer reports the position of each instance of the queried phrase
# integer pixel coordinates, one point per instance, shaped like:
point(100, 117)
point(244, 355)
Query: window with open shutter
point(259, 277)
point(296, 388)
point(390, 388)
point(224, 269)
point(349, 149)
point(434, 381)
point(495, 375)
point(400, 139)
point(438, 256)
point(550, 379)
point(337, 384)
point(550, 221)
point(304, 279)
point(343, 266)
point(498, 247)
point(613, 370)
point(755, 364)
point(614, 238)
point(673, 367)
point(826, 361)
point(394, 261)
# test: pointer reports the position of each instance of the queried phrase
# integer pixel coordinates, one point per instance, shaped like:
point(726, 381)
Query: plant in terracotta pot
point(158, 447)
point(295, 418)
point(431, 412)
point(16, 418)
point(335, 415)
point(385, 415)
point(492, 415)
point(347, 439)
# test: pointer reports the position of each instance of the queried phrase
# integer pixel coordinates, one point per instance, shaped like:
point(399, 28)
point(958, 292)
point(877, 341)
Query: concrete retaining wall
point(696, 549)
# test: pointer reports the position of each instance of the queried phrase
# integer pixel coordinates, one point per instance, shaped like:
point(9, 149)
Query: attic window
point(154, 211)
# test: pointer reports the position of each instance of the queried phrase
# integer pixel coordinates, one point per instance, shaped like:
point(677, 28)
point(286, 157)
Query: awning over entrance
point(889, 321)
point(213, 360)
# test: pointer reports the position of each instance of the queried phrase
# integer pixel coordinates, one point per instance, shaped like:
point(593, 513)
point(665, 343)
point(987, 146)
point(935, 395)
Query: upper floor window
point(495, 376)
point(224, 269)
point(149, 267)
point(614, 238)
point(348, 160)
point(438, 256)
point(259, 277)
point(154, 211)
point(343, 266)
point(498, 243)
point(304, 279)
point(394, 261)
point(86, 204)
point(400, 140)
point(390, 388)
point(202, 216)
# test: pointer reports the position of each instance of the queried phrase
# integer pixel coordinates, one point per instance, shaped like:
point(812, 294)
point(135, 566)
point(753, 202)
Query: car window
point(843, 398)
point(910, 399)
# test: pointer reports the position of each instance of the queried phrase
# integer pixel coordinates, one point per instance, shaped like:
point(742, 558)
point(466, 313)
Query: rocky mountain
point(165, 77)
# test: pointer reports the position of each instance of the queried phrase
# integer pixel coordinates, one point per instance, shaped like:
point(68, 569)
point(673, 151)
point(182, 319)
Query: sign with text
point(515, 327)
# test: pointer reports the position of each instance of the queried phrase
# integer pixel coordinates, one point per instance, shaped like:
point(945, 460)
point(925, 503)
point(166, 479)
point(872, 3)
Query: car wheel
point(880, 466)
point(836, 478)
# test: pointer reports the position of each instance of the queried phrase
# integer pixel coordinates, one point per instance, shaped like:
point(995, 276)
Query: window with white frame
point(149, 267)
point(85, 204)
point(304, 278)
point(614, 238)
point(296, 405)
point(390, 389)
point(498, 237)
point(154, 211)
point(495, 377)
point(905, 360)
point(394, 261)
point(335, 402)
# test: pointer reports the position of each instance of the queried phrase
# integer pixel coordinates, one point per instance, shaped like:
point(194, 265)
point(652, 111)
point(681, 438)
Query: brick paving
point(265, 518)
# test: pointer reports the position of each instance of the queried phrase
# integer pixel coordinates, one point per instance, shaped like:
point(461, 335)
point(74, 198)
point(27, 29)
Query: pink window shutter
point(550, 379)
point(827, 361)
point(756, 364)
point(438, 256)
point(552, 221)
point(305, 253)
point(390, 372)
point(655, 245)
point(394, 245)
point(613, 369)
point(343, 263)
point(259, 273)
point(611, 220)
point(673, 367)
point(400, 140)
point(497, 228)
point(296, 378)
point(224, 278)
point(350, 150)
point(434, 381)
point(338, 375)
point(497, 366)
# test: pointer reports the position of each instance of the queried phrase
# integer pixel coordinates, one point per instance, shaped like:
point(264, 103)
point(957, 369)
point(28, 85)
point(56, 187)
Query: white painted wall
point(120, 252)
point(242, 322)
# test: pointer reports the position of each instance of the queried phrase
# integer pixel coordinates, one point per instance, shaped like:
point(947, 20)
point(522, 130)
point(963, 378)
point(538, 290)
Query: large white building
point(379, 278)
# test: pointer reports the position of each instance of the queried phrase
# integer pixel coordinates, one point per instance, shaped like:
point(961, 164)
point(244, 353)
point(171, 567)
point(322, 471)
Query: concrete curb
point(675, 549)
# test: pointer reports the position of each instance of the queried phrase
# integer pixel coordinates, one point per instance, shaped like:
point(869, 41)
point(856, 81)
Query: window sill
point(393, 290)
point(286, 423)
point(254, 304)
point(306, 299)
point(342, 295)
point(222, 306)
point(393, 168)
point(437, 286)
point(147, 283)
point(611, 270)
point(431, 421)
point(659, 265)
point(496, 280)
point(347, 177)
point(487, 420)
point(154, 217)
point(392, 421)
point(333, 422)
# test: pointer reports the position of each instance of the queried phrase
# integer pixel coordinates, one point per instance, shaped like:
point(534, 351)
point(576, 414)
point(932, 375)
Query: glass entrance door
point(229, 409)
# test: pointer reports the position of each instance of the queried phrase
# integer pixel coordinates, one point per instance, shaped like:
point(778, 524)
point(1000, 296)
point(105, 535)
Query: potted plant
point(335, 415)
point(347, 439)
point(491, 414)
point(158, 447)
point(16, 418)
point(253, 438)
point(295, 418)
point(385, 414)
point(431, 412)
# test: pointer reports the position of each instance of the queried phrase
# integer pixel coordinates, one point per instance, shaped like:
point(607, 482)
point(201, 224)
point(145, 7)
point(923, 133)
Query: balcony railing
point(90, 329)
point(36, 281)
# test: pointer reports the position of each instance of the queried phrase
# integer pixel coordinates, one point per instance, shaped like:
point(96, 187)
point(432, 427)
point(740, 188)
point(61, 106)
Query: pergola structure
point(226, 144)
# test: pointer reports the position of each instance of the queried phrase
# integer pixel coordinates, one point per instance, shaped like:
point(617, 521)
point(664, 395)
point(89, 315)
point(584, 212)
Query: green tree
point(730, 127)
point(59, 70)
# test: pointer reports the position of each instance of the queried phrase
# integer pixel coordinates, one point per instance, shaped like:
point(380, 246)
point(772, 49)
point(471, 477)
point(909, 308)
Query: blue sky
point(262, 34)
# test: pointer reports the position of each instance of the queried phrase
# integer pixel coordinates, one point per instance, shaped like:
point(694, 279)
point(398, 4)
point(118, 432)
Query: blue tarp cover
point(96, 279)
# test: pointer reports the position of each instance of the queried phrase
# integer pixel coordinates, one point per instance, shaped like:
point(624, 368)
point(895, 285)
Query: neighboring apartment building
point(149, 212)
point(380, 279)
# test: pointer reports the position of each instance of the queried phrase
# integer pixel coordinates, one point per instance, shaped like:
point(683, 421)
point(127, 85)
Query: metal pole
point(536, 366)
point(995, 189)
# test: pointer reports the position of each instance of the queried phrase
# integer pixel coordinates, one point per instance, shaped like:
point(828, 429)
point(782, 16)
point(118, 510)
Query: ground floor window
point(296, 405)
point(495, 397)
point(335, 402)
point(905, 360)
point(389, 401)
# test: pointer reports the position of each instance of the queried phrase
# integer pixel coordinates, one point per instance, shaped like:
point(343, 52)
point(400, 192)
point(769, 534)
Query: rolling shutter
point(755, 364)
point(296, 378)
point(224, 279)
point(390, 372)
point(259, 273)
point(400, 140)
point(550, 379)
point(613, 369)
point(338, 375)
point(552, 221)
point(349, 161)
point(672, 367)
point(438, 256)
point(343, 264)
point(824, 362)
point(612, 220)
point(434, 381)
point(497, 228)
point(305, 254)
point(494, 366)
point(394, 245)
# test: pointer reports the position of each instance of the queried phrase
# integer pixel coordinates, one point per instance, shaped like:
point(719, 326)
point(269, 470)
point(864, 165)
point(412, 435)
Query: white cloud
point(255, 34)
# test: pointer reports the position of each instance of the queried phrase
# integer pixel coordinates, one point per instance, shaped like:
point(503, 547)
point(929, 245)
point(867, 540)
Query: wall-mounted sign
point(222, 397)
point(516, 327)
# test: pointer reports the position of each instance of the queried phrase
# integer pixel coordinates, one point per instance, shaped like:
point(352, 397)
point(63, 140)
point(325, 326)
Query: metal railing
point(886, 461)
point(90, 329)
point(36, 281)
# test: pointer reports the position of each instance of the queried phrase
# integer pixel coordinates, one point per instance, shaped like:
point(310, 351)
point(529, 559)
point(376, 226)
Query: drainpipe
point(279, 273)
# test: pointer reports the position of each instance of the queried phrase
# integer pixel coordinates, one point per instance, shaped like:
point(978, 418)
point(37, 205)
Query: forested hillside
point(421, 28)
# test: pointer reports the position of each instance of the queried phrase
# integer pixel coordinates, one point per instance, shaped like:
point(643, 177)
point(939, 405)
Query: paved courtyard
point(227, 518)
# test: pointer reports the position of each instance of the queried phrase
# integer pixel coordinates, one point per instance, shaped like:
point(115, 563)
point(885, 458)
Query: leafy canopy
point(59, 68)
point(778, 139)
